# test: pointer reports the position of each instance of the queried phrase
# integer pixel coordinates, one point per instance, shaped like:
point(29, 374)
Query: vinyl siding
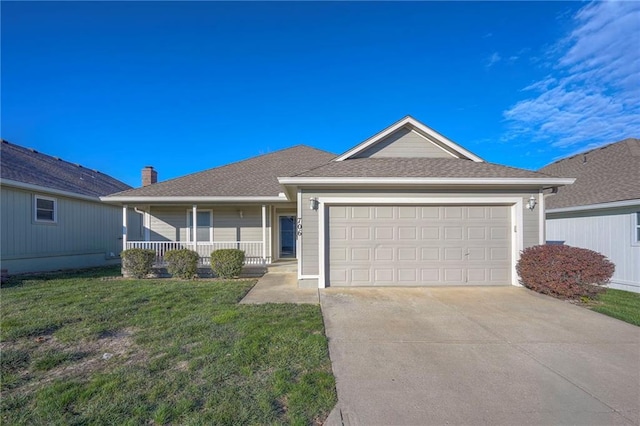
point(85, 234)
point(310, 243)
point(406, 144)
point(170, 223)
point(609, 233)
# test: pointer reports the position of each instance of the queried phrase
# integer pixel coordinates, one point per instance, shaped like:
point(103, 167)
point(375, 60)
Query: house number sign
point(299, 226)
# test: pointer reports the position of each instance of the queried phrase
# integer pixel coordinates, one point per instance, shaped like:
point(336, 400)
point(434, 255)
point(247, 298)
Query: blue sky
point(188, 86)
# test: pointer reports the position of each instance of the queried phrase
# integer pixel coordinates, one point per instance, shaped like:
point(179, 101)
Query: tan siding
point(530, 221)
point(309, 237)
point(168, 224)
point(228, 226)
point(83, 227)
point(406, 144)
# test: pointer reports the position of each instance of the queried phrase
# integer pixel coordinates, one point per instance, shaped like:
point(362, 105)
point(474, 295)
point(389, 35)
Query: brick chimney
point(149, 176)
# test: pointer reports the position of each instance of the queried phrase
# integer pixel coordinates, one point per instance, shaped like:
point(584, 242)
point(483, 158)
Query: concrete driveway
point(470, 356)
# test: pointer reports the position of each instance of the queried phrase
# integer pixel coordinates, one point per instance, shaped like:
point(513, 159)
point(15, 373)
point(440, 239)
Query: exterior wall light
point(532, 203)
point(313, 203)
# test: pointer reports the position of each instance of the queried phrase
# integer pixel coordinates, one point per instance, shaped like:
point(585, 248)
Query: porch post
point(264, 233)
point(124, 227)
point(194, 231)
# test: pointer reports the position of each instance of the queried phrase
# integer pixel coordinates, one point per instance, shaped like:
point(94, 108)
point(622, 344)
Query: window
point(46, 209)
point(204, 225)
point(637, 229)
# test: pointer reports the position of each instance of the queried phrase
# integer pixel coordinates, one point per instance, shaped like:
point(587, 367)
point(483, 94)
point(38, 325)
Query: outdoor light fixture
point(532, 203)
point(313, 203)
point(241, 214)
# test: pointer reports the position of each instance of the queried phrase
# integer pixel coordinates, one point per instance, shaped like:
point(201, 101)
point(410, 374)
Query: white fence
point(252, 249)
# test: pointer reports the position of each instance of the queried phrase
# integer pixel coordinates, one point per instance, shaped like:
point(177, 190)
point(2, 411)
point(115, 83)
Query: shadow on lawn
point(99, 272)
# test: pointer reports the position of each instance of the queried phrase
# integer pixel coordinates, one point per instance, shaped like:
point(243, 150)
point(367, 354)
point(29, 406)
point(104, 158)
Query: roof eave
point(47, 190)
point(599, 206)
point(123, 199)
point(407, 181)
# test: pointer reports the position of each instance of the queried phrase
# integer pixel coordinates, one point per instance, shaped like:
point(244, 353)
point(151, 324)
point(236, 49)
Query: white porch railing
point(252, 249)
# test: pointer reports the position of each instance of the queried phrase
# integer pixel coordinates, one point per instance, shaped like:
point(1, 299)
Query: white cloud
point(592, 95)
point(493, 59)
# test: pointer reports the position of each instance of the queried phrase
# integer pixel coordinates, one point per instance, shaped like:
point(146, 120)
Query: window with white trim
point(204, 225)
point(636, 229)
point(45, 209)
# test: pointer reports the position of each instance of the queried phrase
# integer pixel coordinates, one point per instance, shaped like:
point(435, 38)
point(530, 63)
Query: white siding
point(607, 233)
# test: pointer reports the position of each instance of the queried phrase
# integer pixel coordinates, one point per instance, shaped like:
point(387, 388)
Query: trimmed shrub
point(227, 263)
point(563, 271)
point(138, 262)
point(182, 263)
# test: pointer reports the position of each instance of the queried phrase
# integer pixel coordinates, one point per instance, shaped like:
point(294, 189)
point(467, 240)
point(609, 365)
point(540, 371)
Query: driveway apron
point(469, 356)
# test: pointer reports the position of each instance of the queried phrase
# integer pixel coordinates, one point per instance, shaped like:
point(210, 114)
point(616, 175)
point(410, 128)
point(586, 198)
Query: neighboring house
point(601, 211)
point(407, 207)
point(51, 214)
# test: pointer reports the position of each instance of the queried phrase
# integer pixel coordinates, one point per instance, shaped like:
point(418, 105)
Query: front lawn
point(88, 348)
point(620, 304)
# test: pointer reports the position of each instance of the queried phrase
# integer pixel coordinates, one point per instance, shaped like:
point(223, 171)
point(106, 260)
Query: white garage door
point(419, 245)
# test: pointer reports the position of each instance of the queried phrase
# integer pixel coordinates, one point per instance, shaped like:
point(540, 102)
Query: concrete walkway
point(473, 356)
point(280, 285)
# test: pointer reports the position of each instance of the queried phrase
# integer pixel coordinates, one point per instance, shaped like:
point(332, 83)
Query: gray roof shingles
point(254, 177)
point(603, 175)
point(417, 167)
point(29, 166)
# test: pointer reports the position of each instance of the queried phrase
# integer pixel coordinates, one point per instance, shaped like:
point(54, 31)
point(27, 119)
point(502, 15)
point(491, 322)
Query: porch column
point(124, 227)
point(264, 233)
point(194, 231)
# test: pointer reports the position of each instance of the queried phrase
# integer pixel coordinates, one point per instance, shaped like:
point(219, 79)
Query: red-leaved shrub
point(563, 271)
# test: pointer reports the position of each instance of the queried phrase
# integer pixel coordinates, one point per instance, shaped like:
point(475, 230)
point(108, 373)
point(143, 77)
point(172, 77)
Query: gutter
point(600, 206)
point(539, 182)
point(187, 199)
point(44, 189)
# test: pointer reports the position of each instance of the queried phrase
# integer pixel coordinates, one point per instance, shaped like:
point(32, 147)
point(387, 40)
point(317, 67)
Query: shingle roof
point(256, 176)
point(417, 167)
point(603, 175)
point(32, 167)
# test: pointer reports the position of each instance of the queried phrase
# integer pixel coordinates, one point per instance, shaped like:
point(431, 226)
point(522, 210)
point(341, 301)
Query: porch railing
point(252, 249)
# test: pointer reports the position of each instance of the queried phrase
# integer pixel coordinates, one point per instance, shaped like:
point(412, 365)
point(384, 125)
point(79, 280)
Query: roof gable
point(603, 175)
point(28, 166)
point(408, 138)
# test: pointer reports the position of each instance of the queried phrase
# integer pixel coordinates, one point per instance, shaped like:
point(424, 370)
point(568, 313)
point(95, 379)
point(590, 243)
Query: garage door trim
point(515, 203)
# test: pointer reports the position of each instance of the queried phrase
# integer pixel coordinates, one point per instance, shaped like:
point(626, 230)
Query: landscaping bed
point(90, 348)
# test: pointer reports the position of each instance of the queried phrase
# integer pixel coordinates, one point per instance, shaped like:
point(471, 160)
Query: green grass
point(183, 352)
point(619, 304)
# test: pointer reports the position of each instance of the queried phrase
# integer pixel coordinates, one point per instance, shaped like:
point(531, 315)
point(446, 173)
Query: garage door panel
point(407, 233)
point(360, 233)
point(361, 254)
point(419, 245)
point(384, 233)
point(430, 212)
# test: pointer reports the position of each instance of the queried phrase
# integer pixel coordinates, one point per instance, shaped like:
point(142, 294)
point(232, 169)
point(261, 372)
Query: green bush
point(138, 262)
point(227, 263)
point(563, 271)
point(182, 263)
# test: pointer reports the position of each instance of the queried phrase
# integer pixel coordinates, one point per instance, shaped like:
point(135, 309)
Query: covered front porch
point(265, 233)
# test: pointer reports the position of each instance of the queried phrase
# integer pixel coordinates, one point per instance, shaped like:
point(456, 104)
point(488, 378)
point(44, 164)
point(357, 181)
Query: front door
point(287, 237)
